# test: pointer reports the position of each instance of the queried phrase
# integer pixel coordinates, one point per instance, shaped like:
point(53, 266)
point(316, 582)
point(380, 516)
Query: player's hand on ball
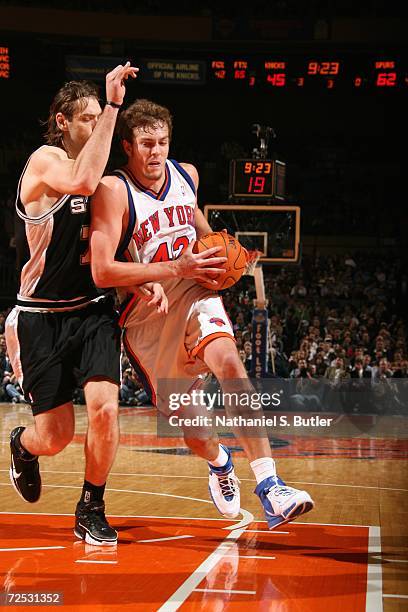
point(200, 265)
point(235, 254)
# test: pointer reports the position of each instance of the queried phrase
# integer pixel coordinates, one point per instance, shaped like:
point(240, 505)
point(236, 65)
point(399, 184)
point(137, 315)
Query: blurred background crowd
point(335, 318)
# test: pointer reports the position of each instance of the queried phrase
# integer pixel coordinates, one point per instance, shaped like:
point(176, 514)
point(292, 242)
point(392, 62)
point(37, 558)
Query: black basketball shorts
point(52, 353)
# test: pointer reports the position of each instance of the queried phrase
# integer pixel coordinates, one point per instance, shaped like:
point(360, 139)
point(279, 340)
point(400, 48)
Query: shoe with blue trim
point(224, 488)
point(282, 503)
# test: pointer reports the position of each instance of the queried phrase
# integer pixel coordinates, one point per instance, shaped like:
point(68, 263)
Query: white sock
point(264, 467)
point(221, 458)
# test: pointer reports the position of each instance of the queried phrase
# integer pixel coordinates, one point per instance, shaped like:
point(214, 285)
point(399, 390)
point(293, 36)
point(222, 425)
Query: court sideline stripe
point(374, 595)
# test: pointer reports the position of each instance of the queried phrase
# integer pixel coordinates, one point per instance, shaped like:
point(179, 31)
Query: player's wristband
point(113, 104)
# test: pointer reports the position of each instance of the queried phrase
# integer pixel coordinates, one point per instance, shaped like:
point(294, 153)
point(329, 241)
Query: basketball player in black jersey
point(63, 331)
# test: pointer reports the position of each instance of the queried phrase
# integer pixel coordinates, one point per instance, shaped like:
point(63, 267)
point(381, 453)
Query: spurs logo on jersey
point(79, 204)
point(161, 225)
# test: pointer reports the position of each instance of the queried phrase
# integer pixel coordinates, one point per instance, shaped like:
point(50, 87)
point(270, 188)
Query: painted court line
point(224, 591)
point(272, 532)
point(391, 596)
point(180, 537)
point(142, 516)
point(247, 519)
point(51, 486)
point(192, 582)
point(249, 557)
point(91, 561)
point(301, 482)
point(374, 572)
point(32, 548)
point(184, 518)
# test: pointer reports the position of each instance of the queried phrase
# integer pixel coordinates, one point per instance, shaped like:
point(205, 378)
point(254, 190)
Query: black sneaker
point(91, 524)
point(24, 469)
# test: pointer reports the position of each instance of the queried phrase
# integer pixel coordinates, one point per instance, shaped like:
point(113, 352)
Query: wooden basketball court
point(175, 551)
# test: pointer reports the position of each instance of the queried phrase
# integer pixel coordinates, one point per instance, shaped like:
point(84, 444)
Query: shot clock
point(257, 179)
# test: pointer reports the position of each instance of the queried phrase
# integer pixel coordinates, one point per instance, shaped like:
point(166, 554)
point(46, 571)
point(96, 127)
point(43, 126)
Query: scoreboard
point(268, 71)
point(276, 71)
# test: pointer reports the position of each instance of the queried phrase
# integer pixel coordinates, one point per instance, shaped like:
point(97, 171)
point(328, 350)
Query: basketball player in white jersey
point(147, 212)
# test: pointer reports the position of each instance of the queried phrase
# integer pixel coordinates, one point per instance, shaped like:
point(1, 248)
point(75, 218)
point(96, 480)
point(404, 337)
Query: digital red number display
point(4, 63)
point(358, 71)
point(218, 67)
point(324, 68)
point(275, 73)
point(256, 184)
point(386, 75)
point(251, 177)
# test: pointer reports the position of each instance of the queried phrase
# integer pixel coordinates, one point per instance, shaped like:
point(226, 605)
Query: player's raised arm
point(71, 170)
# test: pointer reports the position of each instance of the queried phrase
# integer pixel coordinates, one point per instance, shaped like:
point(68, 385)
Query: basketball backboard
point(273, 230)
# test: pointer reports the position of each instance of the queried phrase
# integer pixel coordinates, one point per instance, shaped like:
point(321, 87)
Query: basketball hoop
point(253, 258)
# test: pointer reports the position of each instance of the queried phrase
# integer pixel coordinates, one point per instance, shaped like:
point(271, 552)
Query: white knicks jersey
point(161, 225)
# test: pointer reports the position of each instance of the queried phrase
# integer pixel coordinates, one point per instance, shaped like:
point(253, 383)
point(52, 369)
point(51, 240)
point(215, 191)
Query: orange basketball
point(236, 254)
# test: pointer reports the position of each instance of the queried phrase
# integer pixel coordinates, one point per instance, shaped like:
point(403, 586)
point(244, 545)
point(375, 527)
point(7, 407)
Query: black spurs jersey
point(53, 255)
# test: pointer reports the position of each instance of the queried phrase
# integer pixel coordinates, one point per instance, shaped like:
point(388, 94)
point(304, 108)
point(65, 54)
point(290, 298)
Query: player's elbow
point(86, 187)
point(85, 183)
point(87, 190)
point(100, 275)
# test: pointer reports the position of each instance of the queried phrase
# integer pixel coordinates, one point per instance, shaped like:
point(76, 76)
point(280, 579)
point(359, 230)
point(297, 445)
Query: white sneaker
point(282, 503)
point(224, 488)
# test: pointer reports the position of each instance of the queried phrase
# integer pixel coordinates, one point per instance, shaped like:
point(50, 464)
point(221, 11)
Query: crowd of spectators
point(341, 306)
point(332, 318)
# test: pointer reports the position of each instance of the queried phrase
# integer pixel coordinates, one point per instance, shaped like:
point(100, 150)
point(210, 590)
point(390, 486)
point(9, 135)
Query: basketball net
point(252, 260)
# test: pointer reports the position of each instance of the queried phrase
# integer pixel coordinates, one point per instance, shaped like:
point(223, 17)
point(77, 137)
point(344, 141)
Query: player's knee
point(229, 365)
point(104, 416)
